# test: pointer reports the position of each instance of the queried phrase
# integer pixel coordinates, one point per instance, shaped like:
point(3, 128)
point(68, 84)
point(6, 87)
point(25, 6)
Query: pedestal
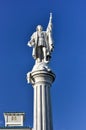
point(41, 82)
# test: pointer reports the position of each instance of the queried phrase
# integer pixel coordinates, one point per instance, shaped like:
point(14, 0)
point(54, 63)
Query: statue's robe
point(48, 42)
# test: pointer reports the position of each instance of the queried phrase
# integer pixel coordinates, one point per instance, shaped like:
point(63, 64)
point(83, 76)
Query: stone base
point(41, 77)
point(39, 68)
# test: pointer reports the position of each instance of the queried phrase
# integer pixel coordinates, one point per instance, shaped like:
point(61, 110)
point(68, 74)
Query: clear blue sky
point(18, 19)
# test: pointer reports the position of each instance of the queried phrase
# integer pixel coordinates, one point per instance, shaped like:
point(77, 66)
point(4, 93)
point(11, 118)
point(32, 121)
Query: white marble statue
point(42, 43)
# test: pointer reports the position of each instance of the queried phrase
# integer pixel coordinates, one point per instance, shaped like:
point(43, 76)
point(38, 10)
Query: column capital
point(41, 76)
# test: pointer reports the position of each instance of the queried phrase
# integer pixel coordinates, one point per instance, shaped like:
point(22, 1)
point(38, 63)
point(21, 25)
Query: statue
point(42, 43)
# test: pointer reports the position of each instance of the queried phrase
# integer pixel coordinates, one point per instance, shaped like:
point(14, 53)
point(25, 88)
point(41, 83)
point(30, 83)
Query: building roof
point(14, 113)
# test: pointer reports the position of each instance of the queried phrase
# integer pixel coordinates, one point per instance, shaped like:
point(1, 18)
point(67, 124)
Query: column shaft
point(42, 103)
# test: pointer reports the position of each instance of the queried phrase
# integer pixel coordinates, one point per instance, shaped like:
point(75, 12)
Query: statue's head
point(39, 28)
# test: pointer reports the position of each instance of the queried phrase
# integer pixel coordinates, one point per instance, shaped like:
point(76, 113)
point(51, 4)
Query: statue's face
point(39, 28)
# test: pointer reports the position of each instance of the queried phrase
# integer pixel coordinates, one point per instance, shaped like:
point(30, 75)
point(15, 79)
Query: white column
point(42, 103)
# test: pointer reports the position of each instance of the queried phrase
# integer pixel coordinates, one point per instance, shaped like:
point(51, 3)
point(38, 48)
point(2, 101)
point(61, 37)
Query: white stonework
point(42, 81)
point(41, 77)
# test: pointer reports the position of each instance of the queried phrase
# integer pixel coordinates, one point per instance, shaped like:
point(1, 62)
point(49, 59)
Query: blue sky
point(18, 20)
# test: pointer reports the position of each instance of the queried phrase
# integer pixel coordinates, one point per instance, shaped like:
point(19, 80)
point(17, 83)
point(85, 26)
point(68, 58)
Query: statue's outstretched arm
point(32, 41)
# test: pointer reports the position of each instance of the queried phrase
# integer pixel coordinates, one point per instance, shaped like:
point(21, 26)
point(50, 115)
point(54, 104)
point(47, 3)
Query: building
point(14, 120)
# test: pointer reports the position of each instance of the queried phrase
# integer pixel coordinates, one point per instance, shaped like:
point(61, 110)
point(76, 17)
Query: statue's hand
point(29, 44)
point(52, 47)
